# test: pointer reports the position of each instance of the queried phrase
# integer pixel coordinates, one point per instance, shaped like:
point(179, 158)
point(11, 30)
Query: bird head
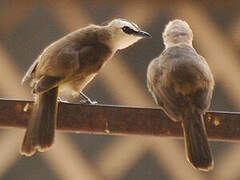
point(125, 33)
point(177, 31)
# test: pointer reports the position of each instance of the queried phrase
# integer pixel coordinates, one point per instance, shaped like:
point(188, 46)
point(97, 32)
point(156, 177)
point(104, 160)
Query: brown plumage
point(68, 65)
point(181, 83)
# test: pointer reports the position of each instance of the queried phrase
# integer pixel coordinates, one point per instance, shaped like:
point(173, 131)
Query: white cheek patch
point(125, 42)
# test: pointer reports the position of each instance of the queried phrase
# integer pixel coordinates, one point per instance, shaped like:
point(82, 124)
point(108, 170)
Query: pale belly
point(73, 88)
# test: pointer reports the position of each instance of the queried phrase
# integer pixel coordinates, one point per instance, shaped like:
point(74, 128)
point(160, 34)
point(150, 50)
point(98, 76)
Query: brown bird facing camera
point(181, 82)
point(68, 65)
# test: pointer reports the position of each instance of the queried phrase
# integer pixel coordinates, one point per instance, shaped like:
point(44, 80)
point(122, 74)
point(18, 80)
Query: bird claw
point(94, 102)
point(88, 102)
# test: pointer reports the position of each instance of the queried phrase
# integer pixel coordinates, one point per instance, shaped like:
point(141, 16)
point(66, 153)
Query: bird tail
point(196, 142)
point(41, 126)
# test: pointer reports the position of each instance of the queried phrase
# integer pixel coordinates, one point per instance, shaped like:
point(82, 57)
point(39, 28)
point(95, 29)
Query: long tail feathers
point(41, 126)
point(196, 142)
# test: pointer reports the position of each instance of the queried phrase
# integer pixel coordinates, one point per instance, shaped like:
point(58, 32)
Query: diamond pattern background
point(27, 27)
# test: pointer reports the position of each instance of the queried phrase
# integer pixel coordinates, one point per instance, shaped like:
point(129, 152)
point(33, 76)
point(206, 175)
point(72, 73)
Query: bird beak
point(143, 34)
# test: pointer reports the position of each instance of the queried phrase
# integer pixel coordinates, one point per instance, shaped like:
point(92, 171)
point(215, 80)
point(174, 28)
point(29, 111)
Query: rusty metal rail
point(119, 120)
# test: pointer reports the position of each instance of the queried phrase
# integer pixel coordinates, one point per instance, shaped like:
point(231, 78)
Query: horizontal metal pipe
point(119, 120)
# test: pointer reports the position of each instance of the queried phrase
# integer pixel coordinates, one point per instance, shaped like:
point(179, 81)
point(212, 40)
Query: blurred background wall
point(26, 27)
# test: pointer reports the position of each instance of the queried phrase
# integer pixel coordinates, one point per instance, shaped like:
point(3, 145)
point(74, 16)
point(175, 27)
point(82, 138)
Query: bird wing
point(152, 77)
point(72, 64)
point(162, 88)
point(176, 83)
point(54, 68)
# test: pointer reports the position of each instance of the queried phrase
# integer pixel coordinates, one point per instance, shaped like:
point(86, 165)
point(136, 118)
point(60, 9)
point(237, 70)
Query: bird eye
point(127, 30)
